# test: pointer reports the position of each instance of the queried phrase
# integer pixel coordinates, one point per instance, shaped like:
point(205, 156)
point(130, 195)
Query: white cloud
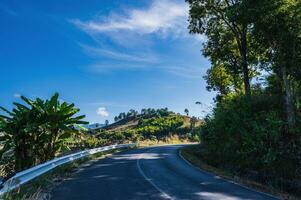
point(102, 111)
point(129, 37)
point(163, 17)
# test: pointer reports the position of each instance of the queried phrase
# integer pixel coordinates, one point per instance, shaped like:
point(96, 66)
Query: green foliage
point(241, 137)
point(258, 131)
point(230, 45)
point(151, 124)
point(160, 127)
point(37, 129)
point(145, 113)
point(277, 25)
point(113, 137)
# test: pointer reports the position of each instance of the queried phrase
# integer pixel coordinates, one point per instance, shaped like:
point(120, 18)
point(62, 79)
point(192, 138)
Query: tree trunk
point(245, 67)
point(18, 160)
point(21, 158)
point(288, 99)
point(55, 133)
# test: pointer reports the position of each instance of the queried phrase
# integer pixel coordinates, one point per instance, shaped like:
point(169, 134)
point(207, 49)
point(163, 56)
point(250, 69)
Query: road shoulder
point(187, 154)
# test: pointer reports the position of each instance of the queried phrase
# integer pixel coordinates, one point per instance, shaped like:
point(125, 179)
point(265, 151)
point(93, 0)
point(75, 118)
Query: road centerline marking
point(163, 194)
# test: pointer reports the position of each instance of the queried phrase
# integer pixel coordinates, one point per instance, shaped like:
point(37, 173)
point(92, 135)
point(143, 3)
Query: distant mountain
point(94, 126)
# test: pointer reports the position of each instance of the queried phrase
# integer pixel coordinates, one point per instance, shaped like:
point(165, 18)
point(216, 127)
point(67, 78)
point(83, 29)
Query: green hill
point(150, 124)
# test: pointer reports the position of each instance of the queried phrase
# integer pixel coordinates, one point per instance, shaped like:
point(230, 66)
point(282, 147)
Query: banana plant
point(37, 129)
point(15, 135)
point(59, 124)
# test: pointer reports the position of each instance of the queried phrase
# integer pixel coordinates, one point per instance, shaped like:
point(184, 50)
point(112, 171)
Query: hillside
point(133, 122)
point(123, 124)
point(150, 124)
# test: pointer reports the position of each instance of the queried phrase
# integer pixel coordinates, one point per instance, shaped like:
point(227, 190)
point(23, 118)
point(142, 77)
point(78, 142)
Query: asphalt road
point(150, 173)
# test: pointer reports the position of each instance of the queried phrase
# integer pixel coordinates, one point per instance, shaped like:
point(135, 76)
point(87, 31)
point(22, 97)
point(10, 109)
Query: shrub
point(241, 136)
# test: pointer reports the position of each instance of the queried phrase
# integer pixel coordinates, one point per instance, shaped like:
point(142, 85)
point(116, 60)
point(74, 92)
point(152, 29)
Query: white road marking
point(163, 194)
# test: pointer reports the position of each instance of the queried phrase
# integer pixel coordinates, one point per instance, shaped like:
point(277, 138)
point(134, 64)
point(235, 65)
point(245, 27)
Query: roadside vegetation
point(37, 130)
point(193, 154)
point(255, 53)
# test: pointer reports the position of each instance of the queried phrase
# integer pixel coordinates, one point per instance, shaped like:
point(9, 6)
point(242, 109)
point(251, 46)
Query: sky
point(105, 56)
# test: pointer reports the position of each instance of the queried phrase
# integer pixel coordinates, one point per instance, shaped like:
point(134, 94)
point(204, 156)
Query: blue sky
point(105, 56)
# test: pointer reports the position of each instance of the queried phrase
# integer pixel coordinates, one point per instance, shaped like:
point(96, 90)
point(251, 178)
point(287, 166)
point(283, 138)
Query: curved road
point(149, 173)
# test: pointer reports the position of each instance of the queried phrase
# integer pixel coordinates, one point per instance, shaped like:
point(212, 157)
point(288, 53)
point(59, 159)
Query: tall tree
point(186, 111)
point(228, 36)
point(115, 118)
point(277, 24)
point(193, 121)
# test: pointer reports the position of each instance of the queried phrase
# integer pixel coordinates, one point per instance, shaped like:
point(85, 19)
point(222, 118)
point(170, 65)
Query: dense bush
point(242, 136)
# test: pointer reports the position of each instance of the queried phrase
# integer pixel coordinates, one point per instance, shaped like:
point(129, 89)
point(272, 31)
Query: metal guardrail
point(23, 177)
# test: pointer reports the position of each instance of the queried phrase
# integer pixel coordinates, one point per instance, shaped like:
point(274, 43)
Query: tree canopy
point(254, 47)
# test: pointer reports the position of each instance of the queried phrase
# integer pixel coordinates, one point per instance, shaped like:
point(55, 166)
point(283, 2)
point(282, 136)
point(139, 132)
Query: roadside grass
point(40, 188)
point(174, 139)
point(192, 154)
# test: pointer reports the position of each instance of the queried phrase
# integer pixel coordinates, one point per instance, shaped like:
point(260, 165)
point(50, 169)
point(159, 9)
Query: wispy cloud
point(17, 95)
point(135, 37)
point(102, 111)
point(186, 71)
point(102, 67)
point(163, 17)
point(189, 72)
point(7, 10)
point(115, 55)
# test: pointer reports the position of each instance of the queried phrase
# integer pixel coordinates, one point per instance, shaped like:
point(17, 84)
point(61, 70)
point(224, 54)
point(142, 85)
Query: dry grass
point(187, 122)
point(134, 123)
point(174, 139)
point(129, 125)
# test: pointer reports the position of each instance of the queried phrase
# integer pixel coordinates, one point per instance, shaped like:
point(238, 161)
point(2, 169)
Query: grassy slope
point(132, 122)
point(123, 125)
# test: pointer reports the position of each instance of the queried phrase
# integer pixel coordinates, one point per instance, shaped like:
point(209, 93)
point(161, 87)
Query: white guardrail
point(23, 177)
